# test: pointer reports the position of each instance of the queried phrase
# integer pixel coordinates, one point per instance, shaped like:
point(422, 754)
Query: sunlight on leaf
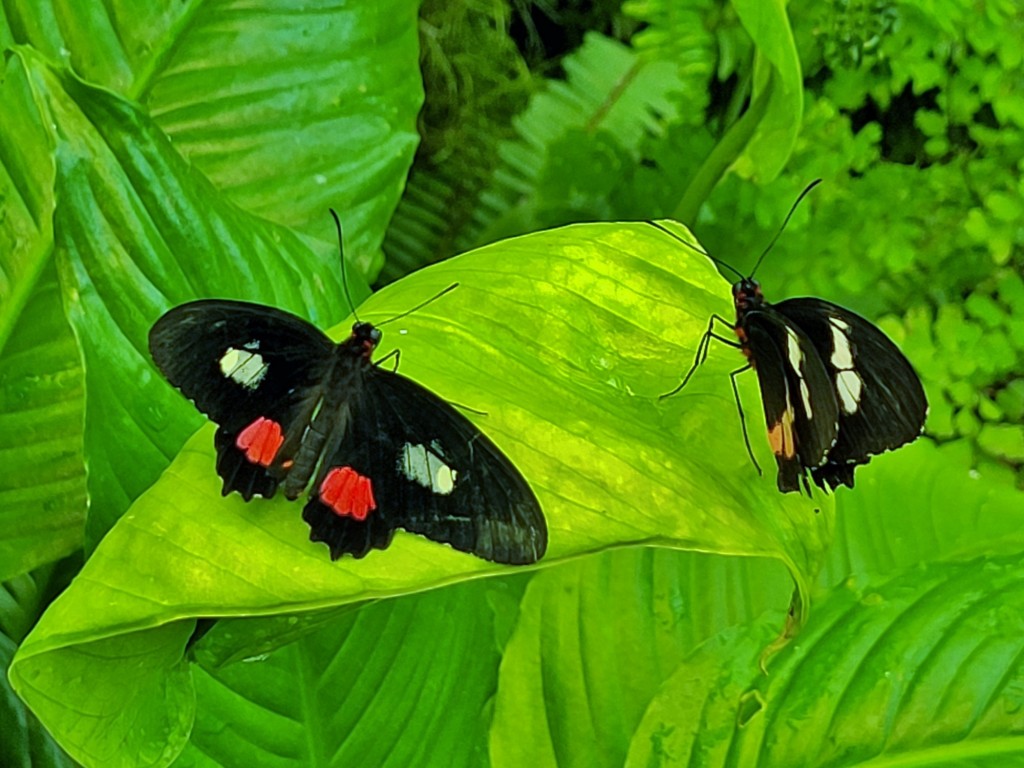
point(564, 339)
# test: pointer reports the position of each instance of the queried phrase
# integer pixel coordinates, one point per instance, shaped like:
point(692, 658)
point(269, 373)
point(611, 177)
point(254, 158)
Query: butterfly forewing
point(799, 407)
point(882, 404)
point(430, 471)
point(241, 363)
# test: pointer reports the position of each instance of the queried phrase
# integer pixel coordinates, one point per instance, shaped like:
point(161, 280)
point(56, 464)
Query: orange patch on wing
point(348, 493)
point(261, 441)
point(780, 436)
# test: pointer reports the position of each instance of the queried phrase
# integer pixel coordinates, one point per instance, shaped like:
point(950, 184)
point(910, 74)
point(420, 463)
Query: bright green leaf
point(287, 108)
point(42, 471)
point(402, 682)
point(778, 67)
point(290, 109)
point(946, 510)
point(923, 669)
point(597, 637)
point(565, 339)
point(138, 231)
point(23, 741)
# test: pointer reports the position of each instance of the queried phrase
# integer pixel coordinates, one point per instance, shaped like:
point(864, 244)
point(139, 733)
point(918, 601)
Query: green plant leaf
point(42, 474)
point(24, 742)
point(398, 683)
point(946, 511)
point(922, 669)
point(42, 471)
point(319, 110)
point(777, 62)
point(565, 339)
point(597, 637)
point(26, 192)
point(285, 108)
point(244, 141)
point(140, 231)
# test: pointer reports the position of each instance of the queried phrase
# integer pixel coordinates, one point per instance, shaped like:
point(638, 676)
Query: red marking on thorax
point(348, 493)
point(744, 342)
point(261, 441)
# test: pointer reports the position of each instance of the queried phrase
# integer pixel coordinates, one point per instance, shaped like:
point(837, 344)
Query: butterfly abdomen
point(328, 418)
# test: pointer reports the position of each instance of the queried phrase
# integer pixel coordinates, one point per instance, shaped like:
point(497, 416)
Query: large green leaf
point(287, 108)
point(946, 511)
point(287, 112)
point(565, 339)
point(597, 637)
point(922, 669)
point(290, 109)
point(138, 230)
point(888, 597)
point(42, 475)
point(24, 742)
point(42, 478)
point(402, 682)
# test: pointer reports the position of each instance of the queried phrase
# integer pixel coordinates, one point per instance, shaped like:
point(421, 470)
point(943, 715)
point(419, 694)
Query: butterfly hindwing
point(882, 404)
point(427, 470)
point(252, 369)
point(799, 407)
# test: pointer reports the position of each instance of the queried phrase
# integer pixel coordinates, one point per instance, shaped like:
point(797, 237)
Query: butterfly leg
point(395, 353)
point(470, 409)
point(743, 420)
point(702, 351)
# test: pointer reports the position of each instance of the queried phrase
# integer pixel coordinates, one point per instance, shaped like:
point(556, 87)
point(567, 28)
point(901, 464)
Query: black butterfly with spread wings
point(835, 389)
point(380, 451)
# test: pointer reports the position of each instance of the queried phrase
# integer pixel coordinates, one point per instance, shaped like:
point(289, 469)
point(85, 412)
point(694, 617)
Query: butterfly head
point(364, 339)
point(746, 295)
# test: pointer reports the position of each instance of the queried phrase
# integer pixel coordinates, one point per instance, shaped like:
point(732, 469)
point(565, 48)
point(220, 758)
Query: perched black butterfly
point(382, 451)
point(836, 391)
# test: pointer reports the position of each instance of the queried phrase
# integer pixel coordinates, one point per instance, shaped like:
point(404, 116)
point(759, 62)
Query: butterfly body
point(376, 450)
point(835, 390)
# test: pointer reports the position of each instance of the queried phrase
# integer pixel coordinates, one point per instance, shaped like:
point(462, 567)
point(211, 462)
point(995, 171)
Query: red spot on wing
point(261, 441)
point(348, 493)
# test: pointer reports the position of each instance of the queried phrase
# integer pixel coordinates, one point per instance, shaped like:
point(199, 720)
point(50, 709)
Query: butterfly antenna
point(421, 305)
point(344, 272)
point(803, 194)
point(693, 247)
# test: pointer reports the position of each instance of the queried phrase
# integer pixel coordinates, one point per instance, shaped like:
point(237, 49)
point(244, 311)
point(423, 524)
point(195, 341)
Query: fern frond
point(677, 31)
point(475, 80)
point(609, 103)
point(419, 226)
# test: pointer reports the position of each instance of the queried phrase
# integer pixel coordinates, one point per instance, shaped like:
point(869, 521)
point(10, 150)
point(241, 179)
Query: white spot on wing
point(842, 355)
point(424, 466)
point(796, 359)
point(244, 367)
point(848, 386)
point(848, 382)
